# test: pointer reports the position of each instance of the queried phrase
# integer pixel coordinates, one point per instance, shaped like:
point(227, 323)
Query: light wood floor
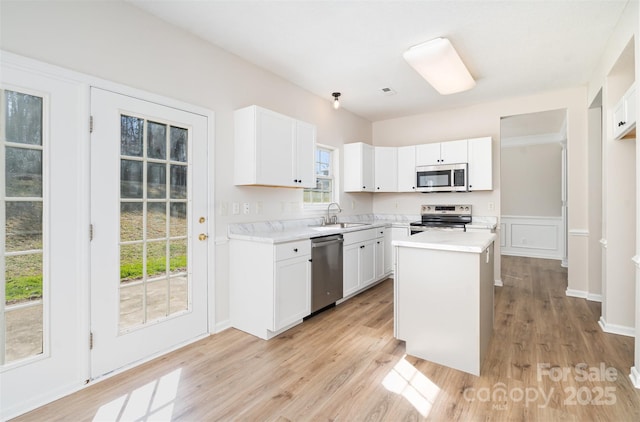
point(345, 365)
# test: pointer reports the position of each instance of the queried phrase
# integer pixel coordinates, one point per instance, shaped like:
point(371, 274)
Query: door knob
point(203, 236)
point(202, 220)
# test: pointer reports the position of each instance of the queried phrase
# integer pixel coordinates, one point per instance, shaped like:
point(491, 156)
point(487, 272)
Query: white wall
point(616, 71)
point(118, 42)
point(484, 120)
point(595, 203)
point(531, 178)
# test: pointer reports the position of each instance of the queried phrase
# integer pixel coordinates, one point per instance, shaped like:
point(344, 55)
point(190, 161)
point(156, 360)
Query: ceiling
point(512, 48)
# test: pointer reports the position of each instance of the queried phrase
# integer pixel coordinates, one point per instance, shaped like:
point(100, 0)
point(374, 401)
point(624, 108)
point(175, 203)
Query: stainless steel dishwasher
point(326, 271)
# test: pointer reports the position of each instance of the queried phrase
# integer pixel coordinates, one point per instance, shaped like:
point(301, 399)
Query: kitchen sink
point(338, 226)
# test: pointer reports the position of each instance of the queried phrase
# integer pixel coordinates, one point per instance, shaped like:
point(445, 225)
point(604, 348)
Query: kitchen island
point(443, 297)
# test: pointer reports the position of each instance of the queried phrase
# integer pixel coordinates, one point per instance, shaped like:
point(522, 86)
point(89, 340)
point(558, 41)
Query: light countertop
point(475, 242)
point(291, 230)
point(297, 233)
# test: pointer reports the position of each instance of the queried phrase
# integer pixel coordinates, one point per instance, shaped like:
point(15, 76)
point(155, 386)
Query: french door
point(149, 200)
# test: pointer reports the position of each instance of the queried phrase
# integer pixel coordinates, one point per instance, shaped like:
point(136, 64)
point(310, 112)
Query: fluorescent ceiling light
point(438, 62)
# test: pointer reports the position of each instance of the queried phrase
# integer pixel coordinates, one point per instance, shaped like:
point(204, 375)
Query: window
point(323, 193)
point(22, 154)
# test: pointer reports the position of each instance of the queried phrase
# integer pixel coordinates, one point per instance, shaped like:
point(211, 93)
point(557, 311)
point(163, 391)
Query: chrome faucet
point(332, 219)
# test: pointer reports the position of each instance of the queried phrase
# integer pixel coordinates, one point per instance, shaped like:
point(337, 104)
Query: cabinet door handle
point(364, 187)
point(622, 124)
point(295, 249)
point(300, 181)
point(310, 260)
point(362, 247)
point(378, 243)
point(295, 180)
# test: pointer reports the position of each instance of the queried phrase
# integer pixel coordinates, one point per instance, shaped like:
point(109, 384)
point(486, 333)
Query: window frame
point(333, 176)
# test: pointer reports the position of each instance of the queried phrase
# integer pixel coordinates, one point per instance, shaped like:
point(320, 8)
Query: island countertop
point(475, 242)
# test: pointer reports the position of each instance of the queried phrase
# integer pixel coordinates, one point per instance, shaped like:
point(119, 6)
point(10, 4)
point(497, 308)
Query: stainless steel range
point(442, 217)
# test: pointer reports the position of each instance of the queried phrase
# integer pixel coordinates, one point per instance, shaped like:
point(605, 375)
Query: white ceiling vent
point(388, 91)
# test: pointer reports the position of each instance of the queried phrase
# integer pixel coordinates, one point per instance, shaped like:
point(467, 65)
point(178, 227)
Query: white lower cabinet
point(292, 291)
point(363, 257)
point(367, 263)
point(379, 258)
point(270, 285)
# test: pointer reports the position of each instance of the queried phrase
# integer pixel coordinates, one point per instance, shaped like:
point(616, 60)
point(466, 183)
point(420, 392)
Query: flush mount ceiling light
point(336, 103)
point(438, 62)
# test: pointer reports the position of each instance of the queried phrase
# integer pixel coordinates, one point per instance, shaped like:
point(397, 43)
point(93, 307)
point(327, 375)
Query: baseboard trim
point(498, 282)
point(36, 402)
point(576, 293)
point(221, 326)
point(616, 329)
point(635, 377)
point(593, 297)
point(530, 254)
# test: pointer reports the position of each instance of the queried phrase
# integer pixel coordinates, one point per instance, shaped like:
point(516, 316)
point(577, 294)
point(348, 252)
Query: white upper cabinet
point(305, 153)
point(393, 169)
point(358, 167)
point(441, 153)
point(407, 169)
point(273, 149)
point(480, 175)
point(428, 154)
point(386, 169)
point(624, 114)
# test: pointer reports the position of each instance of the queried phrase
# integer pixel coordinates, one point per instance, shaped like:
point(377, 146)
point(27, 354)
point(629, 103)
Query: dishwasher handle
point(315, 244)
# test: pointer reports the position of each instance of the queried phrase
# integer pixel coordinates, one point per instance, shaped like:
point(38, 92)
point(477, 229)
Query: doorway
point(534, 185)
point(149, 200)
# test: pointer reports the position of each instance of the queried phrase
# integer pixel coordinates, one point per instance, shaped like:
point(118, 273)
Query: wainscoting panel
point(535, 237)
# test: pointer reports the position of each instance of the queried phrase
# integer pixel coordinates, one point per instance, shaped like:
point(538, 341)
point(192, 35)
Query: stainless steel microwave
point(442, 178)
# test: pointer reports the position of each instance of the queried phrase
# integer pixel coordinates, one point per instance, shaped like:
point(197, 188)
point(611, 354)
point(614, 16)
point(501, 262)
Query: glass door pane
point(21, 215)
point(153, 221)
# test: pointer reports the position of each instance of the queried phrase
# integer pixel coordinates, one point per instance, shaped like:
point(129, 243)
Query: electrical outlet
point(491, 206)
point(246, 208)
point(259, 207)
point(236, 208)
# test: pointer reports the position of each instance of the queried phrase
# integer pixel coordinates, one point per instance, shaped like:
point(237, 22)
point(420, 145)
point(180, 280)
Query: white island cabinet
point(443, 297)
